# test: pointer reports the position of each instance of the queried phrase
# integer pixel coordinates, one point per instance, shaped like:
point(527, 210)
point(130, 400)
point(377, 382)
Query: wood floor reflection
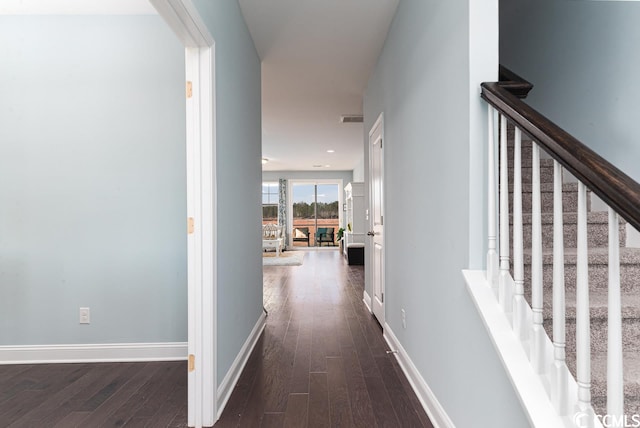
point(321, 360)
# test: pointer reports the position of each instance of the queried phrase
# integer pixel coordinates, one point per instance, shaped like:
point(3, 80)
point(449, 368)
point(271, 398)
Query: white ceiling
point(76, 7)
point(316, 58)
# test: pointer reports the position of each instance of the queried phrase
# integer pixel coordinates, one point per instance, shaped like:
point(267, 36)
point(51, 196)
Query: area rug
point(288, 258)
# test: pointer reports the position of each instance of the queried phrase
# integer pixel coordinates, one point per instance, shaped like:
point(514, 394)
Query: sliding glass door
point(315, 208)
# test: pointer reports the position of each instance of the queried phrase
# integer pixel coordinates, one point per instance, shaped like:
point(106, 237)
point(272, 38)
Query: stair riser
point(631, 407)
point(597, 235)
point(630, 334)
point(598, 277)
point(599, 390)
point(525, 150)
point(546, 174)
point(569, 202)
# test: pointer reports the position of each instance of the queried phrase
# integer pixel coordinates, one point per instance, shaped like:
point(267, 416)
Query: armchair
point(325, 234)
point(301, 234)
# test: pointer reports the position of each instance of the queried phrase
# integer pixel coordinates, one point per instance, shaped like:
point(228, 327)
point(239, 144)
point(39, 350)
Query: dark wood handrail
point(514, 83)
point(613, 186)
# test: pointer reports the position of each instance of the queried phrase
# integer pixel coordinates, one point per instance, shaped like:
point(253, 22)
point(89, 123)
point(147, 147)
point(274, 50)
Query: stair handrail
point(613, 186)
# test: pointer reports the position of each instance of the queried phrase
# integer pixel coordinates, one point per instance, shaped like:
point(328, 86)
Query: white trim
point(369, 252)
point(185, 21)
point(93, 353)
point(183, 18)
point(529, 386)
point(429, 401)
point(231, 379)
point(367, 300)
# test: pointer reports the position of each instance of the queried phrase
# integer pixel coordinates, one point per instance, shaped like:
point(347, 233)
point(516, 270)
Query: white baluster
point(559, 386)
point(519, 304)
point(615, 392)
point(538, 334)
point(505, 290)
point(583, 321)
point(492, 254)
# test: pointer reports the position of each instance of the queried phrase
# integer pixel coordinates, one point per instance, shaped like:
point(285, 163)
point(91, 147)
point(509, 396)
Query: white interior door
point(376, 217)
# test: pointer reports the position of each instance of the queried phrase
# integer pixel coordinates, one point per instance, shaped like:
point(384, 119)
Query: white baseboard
point(231, 378)
point(367, 301)
point(427, 398)
point(93, 353)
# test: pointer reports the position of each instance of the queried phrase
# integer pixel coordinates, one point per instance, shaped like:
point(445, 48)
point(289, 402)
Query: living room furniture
point(301, 234)
point(354, 200)
point(272, 238)
point(325, 234)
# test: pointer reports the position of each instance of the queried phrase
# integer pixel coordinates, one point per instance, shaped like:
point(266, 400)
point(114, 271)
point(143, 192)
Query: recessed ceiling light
point(327, 166)
point(331, 151)
point(264, 160)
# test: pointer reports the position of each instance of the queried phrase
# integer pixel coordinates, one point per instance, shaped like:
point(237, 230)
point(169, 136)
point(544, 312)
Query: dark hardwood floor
point(94, 395)
point(321, 362)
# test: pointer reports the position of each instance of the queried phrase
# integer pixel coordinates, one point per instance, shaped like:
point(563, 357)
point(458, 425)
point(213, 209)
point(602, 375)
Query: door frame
point(371, 257)
point(185, 21)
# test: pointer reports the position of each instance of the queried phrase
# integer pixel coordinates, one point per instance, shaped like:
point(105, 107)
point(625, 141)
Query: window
point(270, 196)
point(315, 205)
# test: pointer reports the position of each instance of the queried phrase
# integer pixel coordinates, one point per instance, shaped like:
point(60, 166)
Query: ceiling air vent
point(351, 118)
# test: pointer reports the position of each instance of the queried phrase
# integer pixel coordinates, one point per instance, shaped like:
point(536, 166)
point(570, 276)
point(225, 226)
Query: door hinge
point(190, 225)
point(382, 297)
point(381, 220)
point(192, 363)
point(380, 143)
point(189, 89)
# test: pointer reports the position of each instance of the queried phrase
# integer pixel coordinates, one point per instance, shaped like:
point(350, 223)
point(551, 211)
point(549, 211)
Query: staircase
point(597, 229)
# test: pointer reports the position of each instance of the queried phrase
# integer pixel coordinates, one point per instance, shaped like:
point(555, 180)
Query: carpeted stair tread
point(631, 379)
point(569, 197)
point(547, 187)
point(599, 316)
point(598, 268)
point(597, 255)
point(598, 303)
point(593, 217)
point(525, 162)
point(597, 229)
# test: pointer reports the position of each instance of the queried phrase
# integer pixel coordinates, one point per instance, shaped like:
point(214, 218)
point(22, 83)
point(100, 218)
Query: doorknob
point(372, 233)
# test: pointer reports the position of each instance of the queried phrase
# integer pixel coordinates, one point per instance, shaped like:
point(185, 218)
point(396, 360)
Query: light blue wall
point(239, 175)
point(358, 171)
point(582, 58)
point(92, 180)
point(425, 83)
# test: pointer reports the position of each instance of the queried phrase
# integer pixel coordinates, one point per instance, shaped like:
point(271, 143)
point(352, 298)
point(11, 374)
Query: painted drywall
point(425, 83)
point(345, 176)
point(92, 180)
point(358, 171)
point(581, 58)
point(239, 176)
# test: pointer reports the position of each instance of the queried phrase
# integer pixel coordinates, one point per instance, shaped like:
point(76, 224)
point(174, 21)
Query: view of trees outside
point(269, 203)
point(306, 209)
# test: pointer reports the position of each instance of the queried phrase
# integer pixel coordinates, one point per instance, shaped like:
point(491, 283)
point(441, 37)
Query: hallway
point(321, 360)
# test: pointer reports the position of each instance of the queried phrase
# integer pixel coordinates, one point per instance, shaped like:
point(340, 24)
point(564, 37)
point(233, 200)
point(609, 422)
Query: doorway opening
point(315, 209)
